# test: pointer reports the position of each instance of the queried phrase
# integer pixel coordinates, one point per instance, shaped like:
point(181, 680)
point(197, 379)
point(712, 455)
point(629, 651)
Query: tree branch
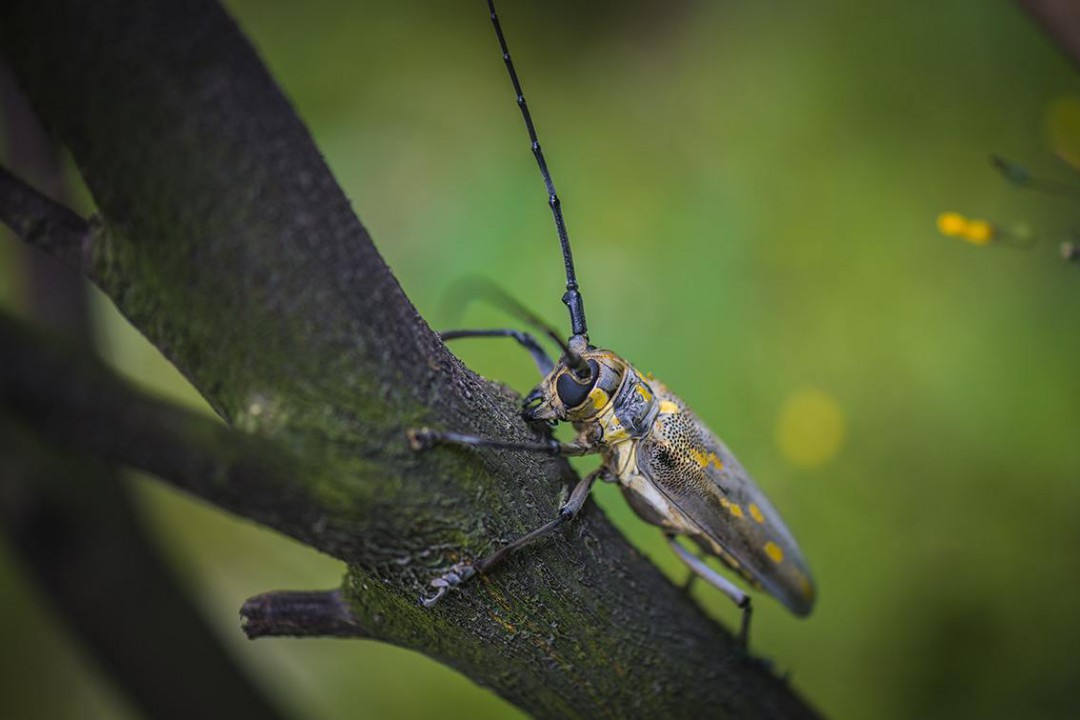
point(1061, 21)
point(72, 525)
point(111, 590)
point(227, 243)
point(80, 405)
point(43, 223)
point(290, 613)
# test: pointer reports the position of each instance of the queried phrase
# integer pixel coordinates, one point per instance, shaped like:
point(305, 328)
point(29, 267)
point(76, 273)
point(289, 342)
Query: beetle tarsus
point(421, 439)
point(429, 602)
point(462, 571)
point(455, 576)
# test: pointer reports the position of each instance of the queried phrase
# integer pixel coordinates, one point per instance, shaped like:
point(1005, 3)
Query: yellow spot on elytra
point(669, 407)
point(1063, 128)
point(774, 552)
point(731, 507)
point(699, 457)
point(755, 512)
point(705, 460)
point(811, 428)
point(599, 398)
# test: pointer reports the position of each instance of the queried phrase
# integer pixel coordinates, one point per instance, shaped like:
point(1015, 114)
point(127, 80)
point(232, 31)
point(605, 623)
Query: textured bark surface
point(225, 240)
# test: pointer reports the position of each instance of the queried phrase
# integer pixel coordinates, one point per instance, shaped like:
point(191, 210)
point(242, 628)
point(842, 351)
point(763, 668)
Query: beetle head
point(579, 387)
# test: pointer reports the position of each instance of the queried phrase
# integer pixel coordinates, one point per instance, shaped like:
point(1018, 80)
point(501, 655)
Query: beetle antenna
point(572, 298)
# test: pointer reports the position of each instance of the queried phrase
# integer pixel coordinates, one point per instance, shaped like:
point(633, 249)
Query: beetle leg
point(457, 574)
point(543, 361)
point(688, 584)
point(719, 582)
point(426, 438)
point(461, 572)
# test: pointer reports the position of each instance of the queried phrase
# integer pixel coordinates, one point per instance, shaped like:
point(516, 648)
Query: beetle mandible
point(674, 471)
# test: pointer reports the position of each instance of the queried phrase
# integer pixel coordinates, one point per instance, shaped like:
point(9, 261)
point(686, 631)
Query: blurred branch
point(76, 403)
point(71, 523)
point(44, 223)
point(290, 613)
point(1061, 21)
point(227, 243)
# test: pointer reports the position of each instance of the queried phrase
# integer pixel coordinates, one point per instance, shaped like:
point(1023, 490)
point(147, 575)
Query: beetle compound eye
point(572, 391)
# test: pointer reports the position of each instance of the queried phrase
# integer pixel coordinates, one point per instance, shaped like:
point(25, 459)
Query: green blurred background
point(752, 191)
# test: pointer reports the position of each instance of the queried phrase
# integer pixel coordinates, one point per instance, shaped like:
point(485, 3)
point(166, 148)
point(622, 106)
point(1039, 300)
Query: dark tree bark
point(71, 522)
point(225, 240)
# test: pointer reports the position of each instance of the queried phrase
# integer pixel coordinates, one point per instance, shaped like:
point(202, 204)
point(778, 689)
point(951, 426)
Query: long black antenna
point(571, 297)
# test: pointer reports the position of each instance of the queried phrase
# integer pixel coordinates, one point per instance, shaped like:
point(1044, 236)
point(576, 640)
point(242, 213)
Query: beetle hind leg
point(691, 579)
point(718, 581)
point(461, 572)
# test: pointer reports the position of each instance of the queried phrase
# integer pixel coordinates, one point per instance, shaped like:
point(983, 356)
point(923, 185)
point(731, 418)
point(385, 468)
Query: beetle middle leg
point(461, 572)
point(719, 582)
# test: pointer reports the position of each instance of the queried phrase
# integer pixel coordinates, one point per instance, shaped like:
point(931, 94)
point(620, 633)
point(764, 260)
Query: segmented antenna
point(572, 298)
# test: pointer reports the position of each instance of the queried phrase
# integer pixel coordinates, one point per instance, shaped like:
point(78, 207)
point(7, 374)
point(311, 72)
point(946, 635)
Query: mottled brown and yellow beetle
point(672, 469)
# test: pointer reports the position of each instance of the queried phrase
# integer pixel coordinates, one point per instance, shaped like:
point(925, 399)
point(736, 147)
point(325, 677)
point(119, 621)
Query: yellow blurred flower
point(978, 232)
point(975, 232)
point(1063, 128)
point(951, 224)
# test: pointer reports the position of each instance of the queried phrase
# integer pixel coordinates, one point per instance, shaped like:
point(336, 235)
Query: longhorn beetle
point(673, 470)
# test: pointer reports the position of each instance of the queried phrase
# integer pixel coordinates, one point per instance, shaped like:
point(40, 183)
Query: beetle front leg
point(426, 438)
point(462, 572)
